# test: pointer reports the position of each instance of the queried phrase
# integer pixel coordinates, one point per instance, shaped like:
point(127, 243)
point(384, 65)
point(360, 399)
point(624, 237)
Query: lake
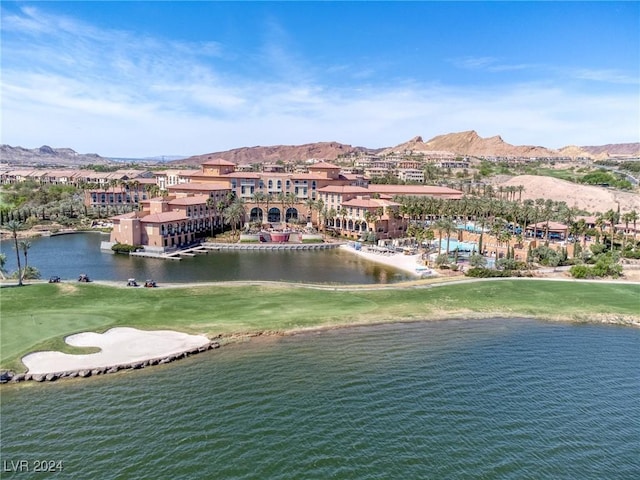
point(69, 255)
point(458, 399)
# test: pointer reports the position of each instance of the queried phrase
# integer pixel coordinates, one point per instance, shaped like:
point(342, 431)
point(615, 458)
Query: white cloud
point(119, 95)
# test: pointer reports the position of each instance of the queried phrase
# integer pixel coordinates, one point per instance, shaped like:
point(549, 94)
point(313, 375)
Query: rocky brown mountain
point(50, 157)
point(471, 144)
point(467, 143)
point(327, 151)
point(613, 150)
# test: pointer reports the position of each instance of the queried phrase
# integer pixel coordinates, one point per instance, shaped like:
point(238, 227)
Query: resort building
point(172, 221)
point(126, 196)
point(74, 177)
point(411, 175)
point(343, 203)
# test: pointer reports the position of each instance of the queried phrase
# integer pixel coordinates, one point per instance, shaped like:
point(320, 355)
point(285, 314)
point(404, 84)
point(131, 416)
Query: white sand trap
point(120, 346)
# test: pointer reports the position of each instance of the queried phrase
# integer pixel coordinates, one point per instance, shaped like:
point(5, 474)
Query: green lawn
point(37, 317)
point(562, 174)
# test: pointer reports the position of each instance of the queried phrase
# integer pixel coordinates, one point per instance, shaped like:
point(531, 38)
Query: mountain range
point(467, 143)
point(463, 143)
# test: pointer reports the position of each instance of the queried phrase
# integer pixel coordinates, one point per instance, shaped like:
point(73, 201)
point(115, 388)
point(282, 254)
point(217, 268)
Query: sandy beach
point(119, 346)
point(407, 263)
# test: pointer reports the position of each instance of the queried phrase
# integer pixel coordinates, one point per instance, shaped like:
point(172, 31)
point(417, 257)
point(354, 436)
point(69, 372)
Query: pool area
point(462, 247)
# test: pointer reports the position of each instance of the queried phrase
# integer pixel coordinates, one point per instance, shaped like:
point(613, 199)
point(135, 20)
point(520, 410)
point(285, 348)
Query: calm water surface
point(69, 255)
point(503, 399)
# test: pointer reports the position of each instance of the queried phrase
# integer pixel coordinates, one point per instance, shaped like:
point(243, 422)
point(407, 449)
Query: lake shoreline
point(52, 375)
point(577, 315)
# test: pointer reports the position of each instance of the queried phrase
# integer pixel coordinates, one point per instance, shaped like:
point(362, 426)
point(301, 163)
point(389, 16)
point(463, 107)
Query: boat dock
point(207, 247)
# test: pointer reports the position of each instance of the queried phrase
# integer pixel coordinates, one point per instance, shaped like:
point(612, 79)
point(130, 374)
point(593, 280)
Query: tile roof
point(199, 186)
point(369, 203)
point(323, 166)
point(343, 189)
point(413, 189)
point(218, 161)
point(194, 200)
point(164, 217)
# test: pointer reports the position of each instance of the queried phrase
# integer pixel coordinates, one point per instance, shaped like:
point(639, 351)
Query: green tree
point(3, 261)
point(234, 215)
point(25, 245)
point(14, 227)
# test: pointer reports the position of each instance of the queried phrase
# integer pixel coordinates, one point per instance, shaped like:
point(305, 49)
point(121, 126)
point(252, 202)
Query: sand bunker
point(120, 346)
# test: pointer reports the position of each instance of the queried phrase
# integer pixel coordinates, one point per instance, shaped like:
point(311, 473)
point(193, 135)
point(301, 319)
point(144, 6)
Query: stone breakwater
point(12, 377)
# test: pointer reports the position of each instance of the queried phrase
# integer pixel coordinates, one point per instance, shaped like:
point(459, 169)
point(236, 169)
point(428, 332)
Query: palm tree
point(320, 208)
point(290, 200)
point(25, 245)
point(626, 218)
point(14, 227)
point(211, 205)
point(3, 261)
point(612, 217)
point(633, 217)
point(259, 198)
point(234, 214)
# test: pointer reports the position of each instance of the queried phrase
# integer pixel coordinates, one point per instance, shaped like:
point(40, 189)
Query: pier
point(207, 247)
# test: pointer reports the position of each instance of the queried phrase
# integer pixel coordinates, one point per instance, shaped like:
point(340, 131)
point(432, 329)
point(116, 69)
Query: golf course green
point(39, 316)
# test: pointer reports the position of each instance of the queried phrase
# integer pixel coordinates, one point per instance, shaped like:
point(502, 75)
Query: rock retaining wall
point(12, 377)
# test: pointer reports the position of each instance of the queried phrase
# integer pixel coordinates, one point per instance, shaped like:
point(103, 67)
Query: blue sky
point(134, 79)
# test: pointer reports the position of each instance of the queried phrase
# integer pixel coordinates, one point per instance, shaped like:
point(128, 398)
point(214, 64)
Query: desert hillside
point(327, 151)
point(46, 155)
point(470, 143)
point(587, 197)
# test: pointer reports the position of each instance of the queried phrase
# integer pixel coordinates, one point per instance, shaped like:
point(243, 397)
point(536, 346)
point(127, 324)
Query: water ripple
point(508, 399)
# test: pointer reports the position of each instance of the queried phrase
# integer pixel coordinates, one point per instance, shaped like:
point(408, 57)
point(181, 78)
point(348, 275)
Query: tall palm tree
point(320, 208)
point(626, 218)
point(259, 198)
point(633, 217)
point(211, 206)
point(310, 203)
point(449, 227)
point(234, 214)
point(14, 227)
point(612, 217)
point(25, 245)
point(3, 261)
point(343, 213)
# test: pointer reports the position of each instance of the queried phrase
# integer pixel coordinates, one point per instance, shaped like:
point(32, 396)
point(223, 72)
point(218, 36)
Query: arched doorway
point(292, 214)
point(255, 215)
point(273, 215)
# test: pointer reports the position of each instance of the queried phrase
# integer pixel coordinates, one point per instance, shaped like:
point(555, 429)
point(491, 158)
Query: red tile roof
point(164, 217)
point(194, 200)
point(199, 186)
point(369, 203)
point(343, 189)
point(218, 161)
point(412, 190)
point(323, 166)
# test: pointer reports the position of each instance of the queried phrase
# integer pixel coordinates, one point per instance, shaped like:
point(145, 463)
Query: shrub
point(480, 272)
point(477, 260)
point(442, 261)
point(124, 248)
point(510, 264)
point(581, 271)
